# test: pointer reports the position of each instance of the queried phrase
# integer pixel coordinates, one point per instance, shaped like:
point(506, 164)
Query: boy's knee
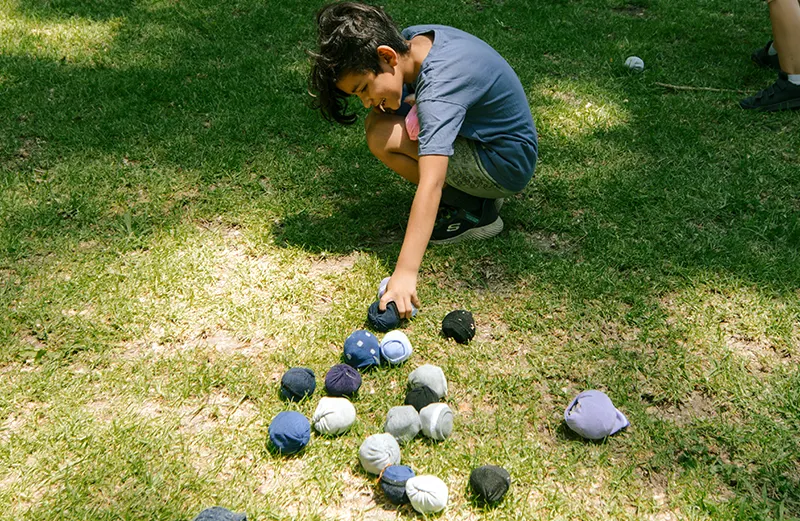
point(375, 141)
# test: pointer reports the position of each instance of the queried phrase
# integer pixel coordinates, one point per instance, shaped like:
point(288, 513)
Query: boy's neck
point(420, 46)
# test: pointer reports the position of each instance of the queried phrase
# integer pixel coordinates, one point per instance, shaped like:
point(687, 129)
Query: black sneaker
point(456, 224)
point(781, 95)
point(763, 59)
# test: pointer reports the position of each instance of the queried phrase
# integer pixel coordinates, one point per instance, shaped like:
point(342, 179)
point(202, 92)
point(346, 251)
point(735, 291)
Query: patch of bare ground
point(697, 406)
point(218, 408)
point(491, 328)
point(19, 418)
point(327, 265)
point(548, 242)
point(759, 353)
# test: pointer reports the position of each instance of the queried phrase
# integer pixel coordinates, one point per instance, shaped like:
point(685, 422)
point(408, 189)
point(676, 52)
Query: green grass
point(177, 228)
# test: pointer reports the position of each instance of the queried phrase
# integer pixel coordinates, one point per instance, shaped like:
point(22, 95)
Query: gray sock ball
point(403, 423)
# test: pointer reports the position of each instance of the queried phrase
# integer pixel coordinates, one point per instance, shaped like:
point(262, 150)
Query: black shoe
point(763, 59)
point(781, 95)
point(456, 224)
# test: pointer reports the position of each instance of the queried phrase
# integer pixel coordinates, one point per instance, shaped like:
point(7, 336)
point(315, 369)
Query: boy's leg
point(388, 140)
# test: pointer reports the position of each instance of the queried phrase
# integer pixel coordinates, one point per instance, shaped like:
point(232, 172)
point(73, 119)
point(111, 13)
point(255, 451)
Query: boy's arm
point(402, 288)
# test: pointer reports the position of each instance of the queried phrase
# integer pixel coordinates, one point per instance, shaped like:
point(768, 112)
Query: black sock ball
point(421, 397)
point(459, 325)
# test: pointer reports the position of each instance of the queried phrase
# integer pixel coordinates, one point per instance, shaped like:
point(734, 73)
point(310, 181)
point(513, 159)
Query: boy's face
point(383, 90)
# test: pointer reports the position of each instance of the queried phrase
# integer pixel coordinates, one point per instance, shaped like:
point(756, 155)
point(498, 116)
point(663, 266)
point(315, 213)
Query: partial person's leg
point(784, 94)
point(785, 18)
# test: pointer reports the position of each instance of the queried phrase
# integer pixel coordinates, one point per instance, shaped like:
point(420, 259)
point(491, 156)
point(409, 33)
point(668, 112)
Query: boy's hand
point(402, 290)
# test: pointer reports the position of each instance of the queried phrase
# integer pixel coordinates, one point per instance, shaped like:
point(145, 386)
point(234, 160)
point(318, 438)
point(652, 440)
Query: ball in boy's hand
point(635, 63)
point(383, 321)
point(382, 289)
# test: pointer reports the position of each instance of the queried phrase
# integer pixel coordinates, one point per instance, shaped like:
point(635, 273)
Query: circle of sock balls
point(385, 320)
point(427, 494)
point(430, 376)
point(459, 325)
point(378, 452)
point(342, 380)
point(490, 483)
point(219, 514)
point(289, 432)
point(403, 423)
point(421, 397)
point(362, 349)
point(333, 416)
point(393, 483)
point(298, 383)
point(382, 289)
point(593, 416)
point(437, 421)
point(396, 347)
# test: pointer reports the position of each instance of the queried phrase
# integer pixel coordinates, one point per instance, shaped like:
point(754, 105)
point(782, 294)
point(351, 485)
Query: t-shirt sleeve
point(439, 123)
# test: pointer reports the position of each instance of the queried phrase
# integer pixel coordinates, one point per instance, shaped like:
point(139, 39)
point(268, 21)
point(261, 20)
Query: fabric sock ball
point(393, 483)
point(490, 483)
point(342, 380)
point(437, 421)
point(403, 423)
point(219, 514)
point(289, 432)
point(429, 376)
point(362, 349)
point(378, 452)
point(383, 321)
point(592, 415)
point(421, 397)
point(396, 347)
point(382, 289)
point(298, 383)
point(459, 325)
point(333, 415)
point(427, 494)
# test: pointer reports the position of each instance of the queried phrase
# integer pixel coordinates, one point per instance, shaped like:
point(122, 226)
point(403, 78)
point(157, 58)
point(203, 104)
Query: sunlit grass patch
point(571, 110)
point(74, 39)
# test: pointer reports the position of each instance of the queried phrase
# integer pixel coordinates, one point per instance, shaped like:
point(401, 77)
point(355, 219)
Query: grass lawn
point(178, 228)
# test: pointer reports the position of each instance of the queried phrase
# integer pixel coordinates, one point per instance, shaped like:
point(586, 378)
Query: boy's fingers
point(415, 301)
point(384, 300)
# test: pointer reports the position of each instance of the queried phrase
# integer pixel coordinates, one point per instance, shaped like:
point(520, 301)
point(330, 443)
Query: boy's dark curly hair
point(348, 36)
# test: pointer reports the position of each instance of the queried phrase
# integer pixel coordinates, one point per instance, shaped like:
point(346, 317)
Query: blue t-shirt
point(465, 88)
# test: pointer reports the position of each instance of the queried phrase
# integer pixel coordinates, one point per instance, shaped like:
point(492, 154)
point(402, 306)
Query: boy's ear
point(388, 55)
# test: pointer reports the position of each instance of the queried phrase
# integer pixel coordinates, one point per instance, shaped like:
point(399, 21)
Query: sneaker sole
point(484, 232)
point(785, 105)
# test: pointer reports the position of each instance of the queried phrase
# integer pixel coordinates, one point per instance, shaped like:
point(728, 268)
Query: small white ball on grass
point(635, 63)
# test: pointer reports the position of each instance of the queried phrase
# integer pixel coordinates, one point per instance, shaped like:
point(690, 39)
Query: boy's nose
point(367, 102)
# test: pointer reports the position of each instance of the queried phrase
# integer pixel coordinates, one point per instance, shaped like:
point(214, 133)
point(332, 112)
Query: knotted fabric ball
point(333, 416)
point(393, 483)
point(459, 325)
point(378, 452)
point(437, 421)
point(490, 483)
point(342, 380)
point(362, 349)
point(421, 397)
point(403, 423)
point(427, 494)
point(429, 376)
point(219, 514)
point(289, 432)
point(592, 415)
point(395, 347)
point(383, 321)
point(298, 383)
point(382, 289)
